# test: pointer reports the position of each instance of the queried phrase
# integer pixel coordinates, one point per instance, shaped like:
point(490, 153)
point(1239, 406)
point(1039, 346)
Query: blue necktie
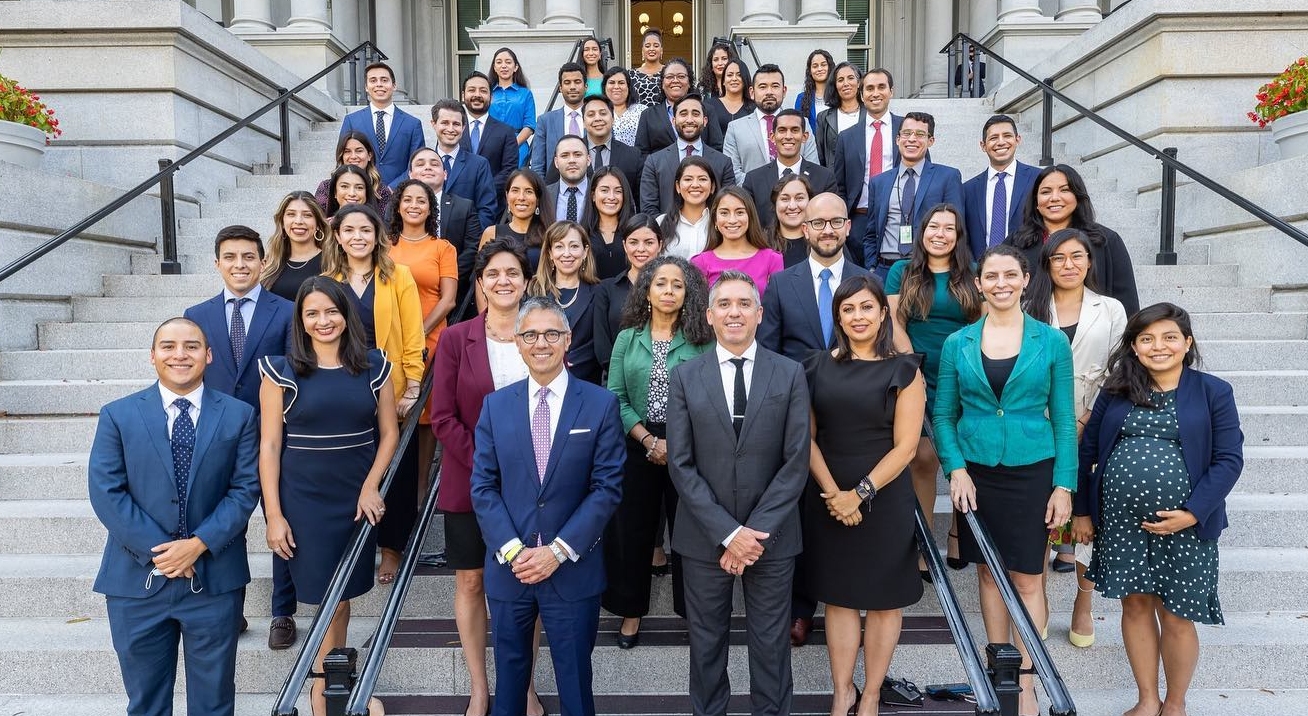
point(380, 130)
point(183, 443)
point(448, 161)
point(999, 211)
point(475, 137)
point(824, 307)
point(237, 334)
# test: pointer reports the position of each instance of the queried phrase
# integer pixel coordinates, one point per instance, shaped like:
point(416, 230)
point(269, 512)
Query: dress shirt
point(681, 147)
point(692, 236)
point(794, 168)
point(561, 205)
point(568, 114)
point(728, 370)
point(890, 238)
point(453, 154)
point(837, 270)
point(247, 310)
point(991, 173)
point(608, 150)
point(388, 119)
point(887, 151)
point(761, 119)
point(173, 412)
point(845, 120)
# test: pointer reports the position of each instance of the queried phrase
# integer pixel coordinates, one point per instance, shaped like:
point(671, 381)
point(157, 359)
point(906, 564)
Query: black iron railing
point(168, 168)
point(1171, 165)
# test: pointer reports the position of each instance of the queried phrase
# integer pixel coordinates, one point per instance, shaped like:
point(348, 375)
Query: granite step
point(97, 336)
point(64, 397)
point(94, 309)
point(73, 365)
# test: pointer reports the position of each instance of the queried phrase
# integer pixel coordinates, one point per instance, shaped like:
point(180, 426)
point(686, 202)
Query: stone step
point(279, 183)
point(63, 397)
point(1210, 299)
point(133, 286)
point(1152, 276)
point(49, 476)
point(194, 261)
point(256, 210)
point(261, 194)
point(208, 227)
point(1227, 325)
point(109, 364)
point(92, 309)
point(1274, 424)
point(1253, 355)
point(46, 435)
point(1276, 469)
point(1268, 387)
point(67, 336)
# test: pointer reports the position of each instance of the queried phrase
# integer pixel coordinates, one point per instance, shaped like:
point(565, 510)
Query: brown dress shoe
point(281, 634)
point(799, 631)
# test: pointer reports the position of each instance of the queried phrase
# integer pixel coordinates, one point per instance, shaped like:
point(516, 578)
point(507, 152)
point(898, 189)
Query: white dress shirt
point(761, 119)
point(173, 412)
point(681, 147)
point(837, 270)
point(887, 152)
point(794, 168)
point(453, 154)
point(388, 119)
point(728, 370)
point(692, 236)
point(991, 173)
point(247, 309)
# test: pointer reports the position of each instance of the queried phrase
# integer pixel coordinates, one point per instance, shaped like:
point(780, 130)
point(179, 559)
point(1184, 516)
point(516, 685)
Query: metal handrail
point(290, 691)
point(1169, 161)
point(987, 701)
point(1055, 687)
point(166, 171)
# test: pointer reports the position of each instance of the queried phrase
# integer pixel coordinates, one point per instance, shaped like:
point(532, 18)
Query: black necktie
point(599, 158)
point(183, 444)
point(738, 400)
point(907, 198)
point(572, 203)
point(380, 131)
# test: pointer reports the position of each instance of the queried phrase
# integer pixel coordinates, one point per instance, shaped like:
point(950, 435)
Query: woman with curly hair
point(710, 75)
point(816, 72)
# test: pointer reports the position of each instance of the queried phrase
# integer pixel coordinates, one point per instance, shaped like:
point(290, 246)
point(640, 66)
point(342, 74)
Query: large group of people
point(656, 311)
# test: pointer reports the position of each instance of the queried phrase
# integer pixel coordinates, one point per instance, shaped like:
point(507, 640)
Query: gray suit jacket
point(659, 176)
point(747, 148)
point(725, 483)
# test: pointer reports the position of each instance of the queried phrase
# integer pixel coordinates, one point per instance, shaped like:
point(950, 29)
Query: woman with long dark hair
point(664, 325)
point(1005, 430)
point(626, 106)
point(931, 295)
point(526, 217)
point(647, 78)
point(355, 149)
point(350, 185)
point(685, 228)
point(817, 71)
point(611, 203)
point(789, 198)
point(511, 100)
point(641, 242)
point(566, 273)
point(592, 59)
point(733, 102)
point(327, 433)
point(843, 111)
point(295, 247)
point(735, 240)
point(1161, 452)
point(868, 402)
point(710, 75)
point(1059, 200)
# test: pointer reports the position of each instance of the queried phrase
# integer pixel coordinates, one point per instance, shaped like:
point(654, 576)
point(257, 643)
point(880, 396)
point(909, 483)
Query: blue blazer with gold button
point(1035, 420)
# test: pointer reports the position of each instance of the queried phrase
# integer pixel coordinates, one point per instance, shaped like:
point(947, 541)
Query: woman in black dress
point(295, 247)
point(612, 202)
point(640, 243)
point(567, 274)
point(868, 403)
point(526, 216)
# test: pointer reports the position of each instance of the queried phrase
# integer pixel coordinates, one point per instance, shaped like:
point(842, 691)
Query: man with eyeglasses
point(994, 197)
point(655, 130)
point(897, 199)
point(546, 478)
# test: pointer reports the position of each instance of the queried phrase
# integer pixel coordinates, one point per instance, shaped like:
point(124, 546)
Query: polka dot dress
point(658, 382)
point(1146, 473)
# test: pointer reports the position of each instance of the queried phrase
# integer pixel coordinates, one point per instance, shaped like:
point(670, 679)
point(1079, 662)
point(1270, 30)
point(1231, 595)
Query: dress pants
point(401, 502)
point(857, 227)
point(145, 633)
point(283, 589)
point(570, 627)
point(767, 586)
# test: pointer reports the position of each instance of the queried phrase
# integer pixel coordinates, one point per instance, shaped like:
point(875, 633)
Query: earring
point(318, 236)
point(538, 211)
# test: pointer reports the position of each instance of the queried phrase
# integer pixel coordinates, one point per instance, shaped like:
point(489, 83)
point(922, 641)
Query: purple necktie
point(540, 433)
point(574, 127)
point(999, 211)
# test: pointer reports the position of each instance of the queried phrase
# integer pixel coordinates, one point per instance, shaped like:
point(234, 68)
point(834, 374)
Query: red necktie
point(771, 122)
point(874, 156)
point(690, 150)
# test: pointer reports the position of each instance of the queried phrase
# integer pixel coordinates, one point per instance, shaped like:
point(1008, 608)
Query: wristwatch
point(559, 554)
point(865, 489)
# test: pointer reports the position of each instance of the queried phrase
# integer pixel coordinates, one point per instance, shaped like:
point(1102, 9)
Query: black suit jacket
point(552, 196)
point(759, 183)
point(623, 157)
point(499, 147)
point(790, 324)
point(655, 131)
point(659, 175)
point(850, 164)
point(828, 131)
point(461, 226)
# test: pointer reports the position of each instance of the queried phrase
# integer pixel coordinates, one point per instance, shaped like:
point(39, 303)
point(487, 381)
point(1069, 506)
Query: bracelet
point(1068, 490)
point(512, 555)
point(649, 435)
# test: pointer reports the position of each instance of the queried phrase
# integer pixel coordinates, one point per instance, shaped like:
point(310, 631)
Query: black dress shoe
point(245, 625)
point(628, 641)
point(926, 576)
point(281, 633)
point(1062, 567)
point(799, 630)
point(660, 570)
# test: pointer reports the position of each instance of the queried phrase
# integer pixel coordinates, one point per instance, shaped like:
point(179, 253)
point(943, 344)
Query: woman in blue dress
point(511, 100)
point(323, 450)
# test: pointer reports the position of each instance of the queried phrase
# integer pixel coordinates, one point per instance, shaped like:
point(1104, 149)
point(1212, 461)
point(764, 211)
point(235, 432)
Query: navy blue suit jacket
point(499, 147)
point(1211, 441)
point(580, 491)
point(134, 493)
point(269, 334)
point(974, 205)
point(936, 184)
point(470, 177)
point(850, 166)
point(790, 324)
point(404, 139)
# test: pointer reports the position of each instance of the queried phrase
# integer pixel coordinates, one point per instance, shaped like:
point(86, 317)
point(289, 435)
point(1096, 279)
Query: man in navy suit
point(466, 174)
point(396, 135)
point(874, 136)
point(238, 338)
point(1003, 186)
point(173, 476)
point(486, 136)
point(656, 129)
point(790, 135)
point(899, 198)
point(546, 478)
point(556, 123)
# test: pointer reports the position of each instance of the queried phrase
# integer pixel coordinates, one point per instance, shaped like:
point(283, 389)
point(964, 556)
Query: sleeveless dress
point(329, 447)
point(1146, 472)
point(872, 565)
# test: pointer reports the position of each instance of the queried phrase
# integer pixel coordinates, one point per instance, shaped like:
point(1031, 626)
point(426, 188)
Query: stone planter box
point(21, 144)
point(1291, 135)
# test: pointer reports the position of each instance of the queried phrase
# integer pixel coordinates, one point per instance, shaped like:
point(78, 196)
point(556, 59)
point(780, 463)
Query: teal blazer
point(633, 354)
point(1036, 418)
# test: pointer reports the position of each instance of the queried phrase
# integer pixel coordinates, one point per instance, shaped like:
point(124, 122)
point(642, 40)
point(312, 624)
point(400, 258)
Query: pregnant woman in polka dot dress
point(1162, 450)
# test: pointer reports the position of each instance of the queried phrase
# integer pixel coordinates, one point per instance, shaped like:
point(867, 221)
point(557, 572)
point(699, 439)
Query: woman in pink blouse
point(736, 241)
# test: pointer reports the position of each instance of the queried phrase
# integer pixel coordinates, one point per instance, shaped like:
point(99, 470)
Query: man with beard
point(557, 123)
point(656, 181)
point(656, 129)
point(571, 166)
point(748, 142)
point(487, 137)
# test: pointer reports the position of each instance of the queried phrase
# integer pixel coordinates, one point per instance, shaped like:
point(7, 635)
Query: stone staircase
point(54, 639)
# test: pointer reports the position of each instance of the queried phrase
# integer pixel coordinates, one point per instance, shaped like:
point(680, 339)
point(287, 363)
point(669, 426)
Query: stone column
point(1019, 10)
point(562, 12)
point(310, 16)
point(762, 12)
point(935, 66)
point(506, 12)
point(391, 32)
point(252, 16)
point(819, 12)
point(1078, 11)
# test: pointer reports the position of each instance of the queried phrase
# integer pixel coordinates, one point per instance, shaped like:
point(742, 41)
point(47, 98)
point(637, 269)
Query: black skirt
point(1011, 503)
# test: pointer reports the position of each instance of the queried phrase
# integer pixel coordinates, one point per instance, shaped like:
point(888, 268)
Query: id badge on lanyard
point(905, 240)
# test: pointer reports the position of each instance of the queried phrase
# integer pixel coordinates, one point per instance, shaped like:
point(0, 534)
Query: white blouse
point(506, 363)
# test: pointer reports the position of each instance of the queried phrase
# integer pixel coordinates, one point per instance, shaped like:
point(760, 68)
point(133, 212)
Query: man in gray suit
point(748, 142)
point(738, 449)
point(656, 181)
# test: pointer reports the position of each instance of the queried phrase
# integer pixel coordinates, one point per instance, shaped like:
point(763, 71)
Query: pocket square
point(578, 431)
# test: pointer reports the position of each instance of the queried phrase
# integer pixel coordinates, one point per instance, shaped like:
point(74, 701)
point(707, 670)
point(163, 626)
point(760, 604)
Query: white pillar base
point(304, 53)
point(789, 45)
point(1026, 44)
point(541, 50)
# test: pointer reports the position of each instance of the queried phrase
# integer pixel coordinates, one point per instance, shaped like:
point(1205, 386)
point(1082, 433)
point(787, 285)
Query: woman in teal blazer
point(664, 325)
point(1006, 434)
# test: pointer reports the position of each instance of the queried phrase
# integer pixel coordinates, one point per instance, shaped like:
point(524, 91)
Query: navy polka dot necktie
point(183, 442)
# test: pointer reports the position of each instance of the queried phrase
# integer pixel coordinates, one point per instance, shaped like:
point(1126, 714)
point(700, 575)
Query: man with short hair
point(568, 194)
point(546, 479)
point(748, 142)
point(790, 136)
point(466, 174)
point(459, 223)
point(395, 135)
point(866, 150)
point(993, 199)
point(486, 136)
point(656, 128)
point(173, 477)
point(659, 175)
point(899, 198)
point(738, 450)
point(554, 124)
point(605, 150)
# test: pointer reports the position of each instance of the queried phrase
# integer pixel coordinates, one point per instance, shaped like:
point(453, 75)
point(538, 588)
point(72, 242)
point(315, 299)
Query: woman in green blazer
point(664, 324)
point(1006, 434)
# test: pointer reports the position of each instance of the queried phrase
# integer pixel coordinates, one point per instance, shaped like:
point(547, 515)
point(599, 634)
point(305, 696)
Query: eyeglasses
point(913, 134)
point(533, 337)
point(676, 77)
point(1077, 258)
point(820, 224)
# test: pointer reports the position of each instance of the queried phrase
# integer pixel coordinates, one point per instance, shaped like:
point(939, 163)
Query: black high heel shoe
point(955, 563)
point(628, 641)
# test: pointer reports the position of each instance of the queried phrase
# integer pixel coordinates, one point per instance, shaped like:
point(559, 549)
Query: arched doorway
point(675, 18)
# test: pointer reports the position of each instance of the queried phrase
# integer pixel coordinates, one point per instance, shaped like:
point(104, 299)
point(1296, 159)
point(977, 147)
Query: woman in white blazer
point(1062, 295)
